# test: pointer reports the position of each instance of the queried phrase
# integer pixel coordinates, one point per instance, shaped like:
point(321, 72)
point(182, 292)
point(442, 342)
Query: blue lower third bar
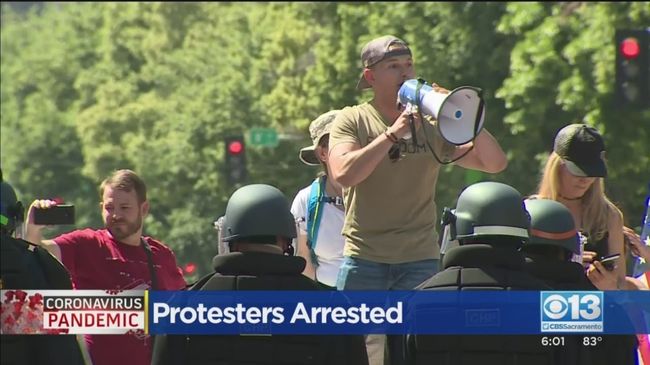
point(398, 312)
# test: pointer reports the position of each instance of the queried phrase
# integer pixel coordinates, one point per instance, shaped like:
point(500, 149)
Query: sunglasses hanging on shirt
point(337, 200)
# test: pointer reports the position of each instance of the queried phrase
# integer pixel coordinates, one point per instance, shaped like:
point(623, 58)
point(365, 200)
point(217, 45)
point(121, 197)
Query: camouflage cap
point(378, 50)
point(318, 128)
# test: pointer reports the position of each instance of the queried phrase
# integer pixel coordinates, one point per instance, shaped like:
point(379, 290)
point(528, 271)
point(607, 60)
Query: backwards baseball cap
point(378, 50)
point(582, 149)
point(318, 128)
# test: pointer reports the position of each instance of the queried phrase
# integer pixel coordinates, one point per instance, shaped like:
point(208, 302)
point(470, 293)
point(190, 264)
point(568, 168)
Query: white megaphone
point(460, 113)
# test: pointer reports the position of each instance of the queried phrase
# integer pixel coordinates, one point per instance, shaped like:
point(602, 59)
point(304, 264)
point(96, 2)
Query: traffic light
point(189, 268)
point(633, 68)
point(235, 158)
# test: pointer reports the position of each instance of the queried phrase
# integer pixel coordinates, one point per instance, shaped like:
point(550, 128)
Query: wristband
point(391, 137)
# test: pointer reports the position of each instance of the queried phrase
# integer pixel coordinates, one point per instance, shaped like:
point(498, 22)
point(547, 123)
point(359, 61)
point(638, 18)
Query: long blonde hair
point(596, 207)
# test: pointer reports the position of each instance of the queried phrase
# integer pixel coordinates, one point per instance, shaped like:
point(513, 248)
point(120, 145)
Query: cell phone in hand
point(55, 215)
point(609, 262)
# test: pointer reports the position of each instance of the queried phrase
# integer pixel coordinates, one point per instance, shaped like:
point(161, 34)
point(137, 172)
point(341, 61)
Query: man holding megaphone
point(382, 156)
point(390, 210)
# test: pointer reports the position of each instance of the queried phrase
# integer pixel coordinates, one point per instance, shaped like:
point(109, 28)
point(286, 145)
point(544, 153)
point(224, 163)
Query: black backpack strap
point(154, 282)
point(152, 270)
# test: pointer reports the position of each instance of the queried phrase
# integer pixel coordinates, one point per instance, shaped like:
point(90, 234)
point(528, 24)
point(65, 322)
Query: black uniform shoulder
point(28, 266)
point(483, 266)
point(257, 263)
point(256, 271)
point(560, 275)
point(259, 271)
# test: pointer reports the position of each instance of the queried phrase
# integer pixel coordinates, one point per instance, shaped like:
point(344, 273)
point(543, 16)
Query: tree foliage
point(88, 88)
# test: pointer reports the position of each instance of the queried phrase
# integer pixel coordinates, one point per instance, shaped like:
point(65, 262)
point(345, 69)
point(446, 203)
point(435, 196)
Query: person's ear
point(369, 76)
point(322, 153)
point(144, 208)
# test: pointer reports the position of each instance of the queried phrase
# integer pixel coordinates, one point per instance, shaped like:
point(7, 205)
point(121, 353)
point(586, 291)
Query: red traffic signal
point(235, 147)
point(630, 48)
point(235, 159)
point(189, 268)
point(632, 88)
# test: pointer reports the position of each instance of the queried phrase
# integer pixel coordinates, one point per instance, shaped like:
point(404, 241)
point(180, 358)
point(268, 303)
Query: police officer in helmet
point(26, 266)
point(553, 255)
point(256, 220)
point(490, 224)
point(553, 246)
point(255, 254)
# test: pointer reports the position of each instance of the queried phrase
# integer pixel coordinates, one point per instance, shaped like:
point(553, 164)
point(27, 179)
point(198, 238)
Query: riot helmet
point(256, 210)
point(11, 209)
point(552, 225)
point(488, 209)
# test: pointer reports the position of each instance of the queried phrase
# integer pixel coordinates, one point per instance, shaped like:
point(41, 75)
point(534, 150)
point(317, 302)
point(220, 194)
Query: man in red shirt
point(114, 258)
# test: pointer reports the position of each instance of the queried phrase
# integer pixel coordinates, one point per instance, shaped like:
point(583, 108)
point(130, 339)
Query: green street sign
point(263, 137)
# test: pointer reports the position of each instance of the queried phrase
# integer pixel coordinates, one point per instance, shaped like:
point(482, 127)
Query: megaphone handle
point(412, 125)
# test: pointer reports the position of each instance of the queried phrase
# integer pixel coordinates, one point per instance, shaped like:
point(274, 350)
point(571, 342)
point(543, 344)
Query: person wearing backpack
point(319, 208)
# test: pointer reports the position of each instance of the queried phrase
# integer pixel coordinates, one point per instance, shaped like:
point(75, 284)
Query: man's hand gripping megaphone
point(411, 117)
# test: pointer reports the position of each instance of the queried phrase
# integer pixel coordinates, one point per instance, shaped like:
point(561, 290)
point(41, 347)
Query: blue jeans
point(359, 274)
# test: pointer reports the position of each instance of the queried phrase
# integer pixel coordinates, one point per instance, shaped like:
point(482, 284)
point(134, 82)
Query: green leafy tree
point(562, 71)
point(89, 88)
point(41, 152)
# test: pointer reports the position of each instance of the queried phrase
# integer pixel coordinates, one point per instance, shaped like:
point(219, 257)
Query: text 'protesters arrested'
point(256, 315)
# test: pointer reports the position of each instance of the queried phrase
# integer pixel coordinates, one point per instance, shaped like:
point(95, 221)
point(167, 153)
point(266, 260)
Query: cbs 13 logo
point(572, 306)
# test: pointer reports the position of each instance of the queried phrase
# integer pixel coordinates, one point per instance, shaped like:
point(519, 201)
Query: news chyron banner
point(73, 312)
point(324, 312)
point(400, 312)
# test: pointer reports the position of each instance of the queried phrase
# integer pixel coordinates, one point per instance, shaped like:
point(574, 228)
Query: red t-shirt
point(97, 261)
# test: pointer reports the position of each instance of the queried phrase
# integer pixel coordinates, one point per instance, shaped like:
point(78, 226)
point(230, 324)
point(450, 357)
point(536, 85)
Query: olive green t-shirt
point(390, 217)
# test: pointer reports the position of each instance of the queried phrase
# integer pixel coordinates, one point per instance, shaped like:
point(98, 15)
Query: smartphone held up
point(55, 215)
point(609, 262)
